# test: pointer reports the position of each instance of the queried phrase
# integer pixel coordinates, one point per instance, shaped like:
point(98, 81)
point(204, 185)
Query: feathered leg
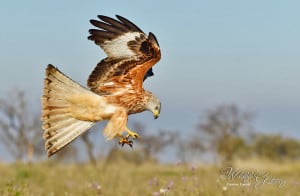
point(117, 125)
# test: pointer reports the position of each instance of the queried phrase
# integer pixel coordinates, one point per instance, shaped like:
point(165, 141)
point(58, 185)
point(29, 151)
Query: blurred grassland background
point(125, 178)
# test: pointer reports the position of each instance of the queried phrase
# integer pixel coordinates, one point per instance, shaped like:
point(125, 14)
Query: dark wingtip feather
point(50, 66)
point(103, 18)
point(95, 22)
point(152, 37)
point(129, 24)
point(109, 28)
point(148, 74)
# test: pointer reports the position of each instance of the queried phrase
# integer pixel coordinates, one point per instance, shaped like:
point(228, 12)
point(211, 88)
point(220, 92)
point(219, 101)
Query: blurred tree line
point(225, 132)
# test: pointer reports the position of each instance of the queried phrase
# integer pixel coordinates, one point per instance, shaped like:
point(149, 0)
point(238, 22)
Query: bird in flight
point(115, 87)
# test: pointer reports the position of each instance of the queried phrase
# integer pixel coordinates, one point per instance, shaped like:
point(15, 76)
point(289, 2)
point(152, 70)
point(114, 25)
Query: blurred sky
point(213, 52)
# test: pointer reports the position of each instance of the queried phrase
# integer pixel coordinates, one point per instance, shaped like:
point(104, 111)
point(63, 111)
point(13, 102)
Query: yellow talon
point(125, 141)
point(131, 134)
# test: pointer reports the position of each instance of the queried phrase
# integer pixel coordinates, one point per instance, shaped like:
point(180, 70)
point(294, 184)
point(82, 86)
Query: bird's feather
point(131, 55)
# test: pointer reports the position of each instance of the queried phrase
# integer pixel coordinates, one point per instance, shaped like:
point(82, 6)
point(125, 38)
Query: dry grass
point(146, 179)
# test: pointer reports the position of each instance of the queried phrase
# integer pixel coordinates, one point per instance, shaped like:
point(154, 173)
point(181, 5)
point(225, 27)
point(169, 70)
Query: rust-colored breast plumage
point(133, 102)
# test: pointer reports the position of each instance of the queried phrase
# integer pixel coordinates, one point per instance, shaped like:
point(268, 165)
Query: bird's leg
point(131, 134)
point(126, 139)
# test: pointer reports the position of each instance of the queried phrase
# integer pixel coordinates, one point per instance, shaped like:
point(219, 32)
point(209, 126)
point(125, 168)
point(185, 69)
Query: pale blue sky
point(213, 52)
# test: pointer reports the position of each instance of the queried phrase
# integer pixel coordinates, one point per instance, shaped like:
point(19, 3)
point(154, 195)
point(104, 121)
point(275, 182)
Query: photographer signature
point(247, 177)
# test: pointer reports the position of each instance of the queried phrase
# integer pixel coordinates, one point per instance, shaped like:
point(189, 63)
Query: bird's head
point(153, 105)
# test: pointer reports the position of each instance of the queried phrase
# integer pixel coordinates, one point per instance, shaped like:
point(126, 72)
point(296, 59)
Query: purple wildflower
point(156, 194)
point(153, 182)
point(170, 184)
point(178, 162)
point(192, 168)
point(96, 186)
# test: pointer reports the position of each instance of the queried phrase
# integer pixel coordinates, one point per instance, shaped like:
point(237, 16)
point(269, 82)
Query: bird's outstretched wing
point(131, 55)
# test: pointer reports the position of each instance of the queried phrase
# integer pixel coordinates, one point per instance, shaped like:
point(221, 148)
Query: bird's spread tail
point(60, 127)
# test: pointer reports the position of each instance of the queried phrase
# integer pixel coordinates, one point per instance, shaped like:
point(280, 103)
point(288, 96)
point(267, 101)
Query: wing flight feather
point(131, 54)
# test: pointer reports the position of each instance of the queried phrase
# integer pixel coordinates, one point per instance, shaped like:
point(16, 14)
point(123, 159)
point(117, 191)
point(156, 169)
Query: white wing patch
point(118, 47)
point(107, 84)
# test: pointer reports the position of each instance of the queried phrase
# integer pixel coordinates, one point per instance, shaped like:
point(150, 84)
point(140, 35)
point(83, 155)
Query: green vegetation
point(123, 178)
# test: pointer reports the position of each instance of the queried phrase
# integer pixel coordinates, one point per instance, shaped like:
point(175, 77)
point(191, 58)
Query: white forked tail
point(60, 128)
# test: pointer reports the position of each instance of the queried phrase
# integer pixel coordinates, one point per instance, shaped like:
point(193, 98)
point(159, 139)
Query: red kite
point(116, 87)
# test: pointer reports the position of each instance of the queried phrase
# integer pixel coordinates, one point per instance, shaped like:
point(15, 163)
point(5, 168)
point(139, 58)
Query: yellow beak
point(156, 114)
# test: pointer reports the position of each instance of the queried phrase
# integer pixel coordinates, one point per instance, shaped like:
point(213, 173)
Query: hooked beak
point(156, 114)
